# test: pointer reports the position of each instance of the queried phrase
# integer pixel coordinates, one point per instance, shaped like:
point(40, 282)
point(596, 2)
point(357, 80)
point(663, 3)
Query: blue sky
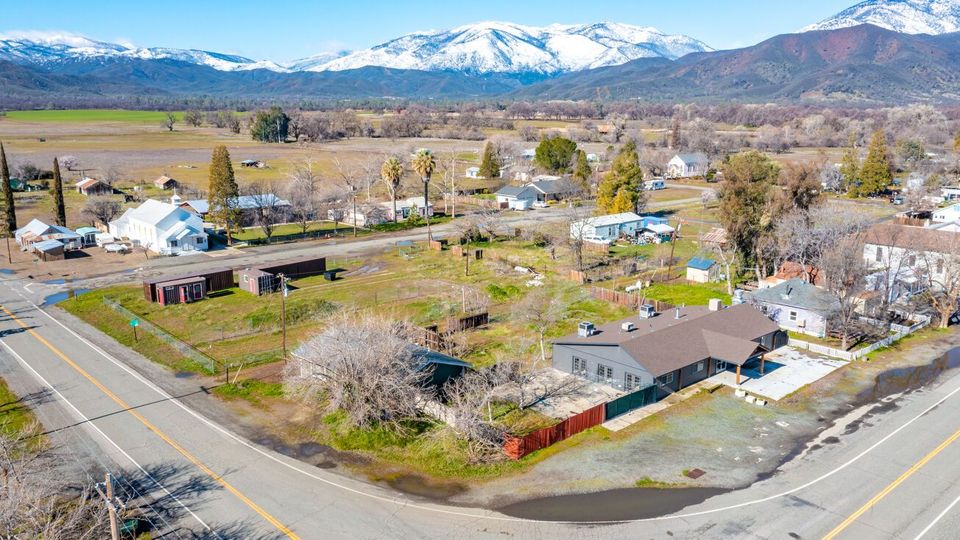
point(284, 30)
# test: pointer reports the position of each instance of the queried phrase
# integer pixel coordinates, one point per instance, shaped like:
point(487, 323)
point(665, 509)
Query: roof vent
point(716, 304)
point(627, 327)
point(586, 329)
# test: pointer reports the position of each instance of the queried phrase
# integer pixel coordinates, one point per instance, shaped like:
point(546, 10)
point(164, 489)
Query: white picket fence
point(899, 332)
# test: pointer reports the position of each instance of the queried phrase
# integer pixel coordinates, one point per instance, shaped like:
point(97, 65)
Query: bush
point(500, 294)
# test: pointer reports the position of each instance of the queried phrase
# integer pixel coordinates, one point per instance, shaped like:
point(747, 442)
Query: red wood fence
point(517, 447)
point(630, 300)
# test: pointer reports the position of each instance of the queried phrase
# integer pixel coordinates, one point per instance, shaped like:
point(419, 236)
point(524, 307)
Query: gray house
point(797, 306)
point(672, 350)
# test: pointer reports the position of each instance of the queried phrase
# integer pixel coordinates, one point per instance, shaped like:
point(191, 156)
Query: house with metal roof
point(165, 182)
point(797, 305)
point(49, 250)
point(161, 227)
point(673, 350)
point(688, 165)
point(248, 205)
point(92, 186)
point(88, 235)
point(605, 229)
point(38, 231)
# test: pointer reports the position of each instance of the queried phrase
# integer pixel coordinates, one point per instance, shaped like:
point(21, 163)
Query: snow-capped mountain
point(46, 48)
point(905, 16)
point(500, 47)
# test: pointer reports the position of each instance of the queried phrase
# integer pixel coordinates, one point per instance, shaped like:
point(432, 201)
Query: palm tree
point(391, 172)
point(424, 164)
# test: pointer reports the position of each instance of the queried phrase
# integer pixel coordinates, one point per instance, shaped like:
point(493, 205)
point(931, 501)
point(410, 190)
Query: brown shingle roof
point(917, 238)
point(664, 343)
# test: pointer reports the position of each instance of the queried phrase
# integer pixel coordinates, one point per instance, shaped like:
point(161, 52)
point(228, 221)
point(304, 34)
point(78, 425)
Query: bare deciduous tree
point(37, 501)
point(69, 163)
point(844, 273)
point(102, 209)
point(303, 191)
point(541, 310)
point(268, 208)
point(940, 270)
point(364, 366)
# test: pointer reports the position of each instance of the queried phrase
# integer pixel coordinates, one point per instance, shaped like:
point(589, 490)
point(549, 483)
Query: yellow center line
point(893, 485)
point(173, 444)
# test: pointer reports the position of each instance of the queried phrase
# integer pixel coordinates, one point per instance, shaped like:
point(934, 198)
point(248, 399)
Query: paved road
point(210, 482)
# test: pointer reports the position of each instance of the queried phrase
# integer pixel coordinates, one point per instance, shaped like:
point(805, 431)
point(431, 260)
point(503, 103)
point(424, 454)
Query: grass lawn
point(16, 418)
point(688, 294)
point(91, 115)
point(291, 229)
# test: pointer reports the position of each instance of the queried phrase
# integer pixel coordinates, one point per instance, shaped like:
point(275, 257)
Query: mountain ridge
point(932, 17)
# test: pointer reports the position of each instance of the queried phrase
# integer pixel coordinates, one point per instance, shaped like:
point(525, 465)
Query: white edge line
point(491, 515)
point(86, 421)
point(937, 519)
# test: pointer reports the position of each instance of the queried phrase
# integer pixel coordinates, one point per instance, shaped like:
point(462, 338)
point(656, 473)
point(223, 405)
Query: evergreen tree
point(625, 175)
point(582, 172)
point(59, 209)
point(270, 125)
point(9, 209)
point(745, 197)
point(222, 198)
point(555, 154)
point(622, 202)
point(850, 169)
point(876, 173)
point(490, 164)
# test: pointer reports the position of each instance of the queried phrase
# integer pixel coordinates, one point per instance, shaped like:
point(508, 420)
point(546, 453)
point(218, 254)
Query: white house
point(602, 229)
point(950, 193)
point(950, 213)
point(543, 188)
point(797, 305)
point(910, 258)
point(161, 227)
point(406, 207)
point(473, 172)
point(688, 165)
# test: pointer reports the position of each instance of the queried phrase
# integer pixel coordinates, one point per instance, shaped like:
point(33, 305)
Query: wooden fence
point(517, 447)
point(630, 300)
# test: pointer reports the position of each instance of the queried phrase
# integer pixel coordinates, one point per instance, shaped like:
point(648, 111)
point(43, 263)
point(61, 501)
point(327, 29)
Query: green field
point(90, 115)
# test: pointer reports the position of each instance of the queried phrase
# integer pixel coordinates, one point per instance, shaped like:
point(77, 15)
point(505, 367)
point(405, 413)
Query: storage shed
point(181, 291)
point(263, 279)
point(214, 280)
point(49, 250)
point(256, 281)
point(702, 270)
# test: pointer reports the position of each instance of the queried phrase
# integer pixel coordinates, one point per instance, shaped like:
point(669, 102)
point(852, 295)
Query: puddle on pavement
point(313, 453)
point(613, 505)
point(56, 298)
point(908, 379)
point(183, 375)
point(420, 486)
point(7, 271)
point(55, 281)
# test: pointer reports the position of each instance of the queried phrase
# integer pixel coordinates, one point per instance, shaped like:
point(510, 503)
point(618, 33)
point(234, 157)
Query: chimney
point(175, 199)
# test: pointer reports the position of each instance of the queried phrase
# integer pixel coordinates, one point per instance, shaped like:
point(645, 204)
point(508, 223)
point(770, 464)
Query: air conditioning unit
point(628, 327)
point(647, 311)
point(802, 323)
point(586, 329)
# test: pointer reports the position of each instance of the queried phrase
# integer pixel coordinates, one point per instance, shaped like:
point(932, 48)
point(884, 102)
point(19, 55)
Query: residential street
point(890, 474)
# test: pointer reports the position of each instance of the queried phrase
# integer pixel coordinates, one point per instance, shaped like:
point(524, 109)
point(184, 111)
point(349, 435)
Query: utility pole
point(112, 504)
point(283, 311)
point(9, 257)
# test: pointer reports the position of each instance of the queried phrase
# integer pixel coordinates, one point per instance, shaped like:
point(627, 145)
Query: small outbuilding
point(181, 291)
point(88, 235)
point(49, 250)
point(213, 280)
point(702, 270)
point(92, 186)
point(165, 183)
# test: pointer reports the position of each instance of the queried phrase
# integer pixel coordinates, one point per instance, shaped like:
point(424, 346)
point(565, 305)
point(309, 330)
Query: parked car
point(115, 248)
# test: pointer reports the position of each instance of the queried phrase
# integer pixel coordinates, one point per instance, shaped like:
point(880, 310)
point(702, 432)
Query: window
point(665, 379)
point(912, 261)
point(604, 372)
point(700, 366)
point(200, 240)
point(939, 266)
point(793, 316)
point(879, 257)
point(630, 381)
point(579, 365)
point(173, 243)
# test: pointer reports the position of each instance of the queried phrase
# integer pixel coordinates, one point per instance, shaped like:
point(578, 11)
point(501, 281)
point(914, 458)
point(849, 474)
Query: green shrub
point(500, 294)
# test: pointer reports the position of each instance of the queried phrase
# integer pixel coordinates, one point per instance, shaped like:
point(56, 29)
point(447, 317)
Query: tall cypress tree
point(223, 192)
point(59, 208)
point(490, 164)
point(9, 210)
point(876, 173)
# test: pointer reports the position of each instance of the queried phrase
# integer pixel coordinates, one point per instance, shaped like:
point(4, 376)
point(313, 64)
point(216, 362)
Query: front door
point(721, 366)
